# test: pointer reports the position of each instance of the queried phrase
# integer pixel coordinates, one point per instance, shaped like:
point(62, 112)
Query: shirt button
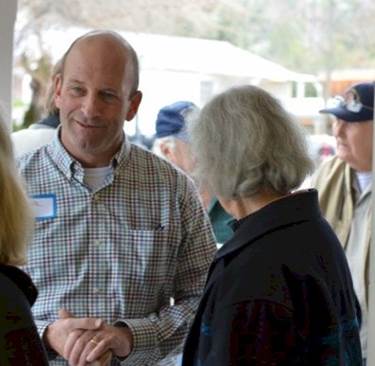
point(102, 209)
point(98, 242)
point(96, 197)
point(97, 290)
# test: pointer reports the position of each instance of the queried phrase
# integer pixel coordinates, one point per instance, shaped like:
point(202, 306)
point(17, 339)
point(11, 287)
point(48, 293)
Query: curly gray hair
point(244, 141)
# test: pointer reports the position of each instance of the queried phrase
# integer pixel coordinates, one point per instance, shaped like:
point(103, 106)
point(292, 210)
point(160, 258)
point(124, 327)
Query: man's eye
point(108, 96)
point(76, 90)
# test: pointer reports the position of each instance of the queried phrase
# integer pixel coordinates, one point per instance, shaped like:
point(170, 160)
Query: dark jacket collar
point(297, 207)
point(22, 280)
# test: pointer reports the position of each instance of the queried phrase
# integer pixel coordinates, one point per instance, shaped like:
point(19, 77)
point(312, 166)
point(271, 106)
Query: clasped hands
point(85, 341)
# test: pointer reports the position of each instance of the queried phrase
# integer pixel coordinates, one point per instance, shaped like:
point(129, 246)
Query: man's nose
point(90, 106)
point(338, 127)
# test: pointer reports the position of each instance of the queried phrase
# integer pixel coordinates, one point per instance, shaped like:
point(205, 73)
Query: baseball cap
point(356, 105)
point(171, 120)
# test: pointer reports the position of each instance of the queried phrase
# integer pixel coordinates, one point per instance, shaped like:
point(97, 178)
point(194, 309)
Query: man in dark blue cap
point(344, 185)
point(171, 134)
point(172, 142)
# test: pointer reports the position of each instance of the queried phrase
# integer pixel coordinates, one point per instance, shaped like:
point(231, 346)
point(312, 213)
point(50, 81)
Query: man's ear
point(57, 87)
point(166, 150)
point(135, 101)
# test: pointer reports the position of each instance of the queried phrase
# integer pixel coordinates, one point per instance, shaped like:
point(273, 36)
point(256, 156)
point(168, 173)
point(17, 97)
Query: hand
point(117, 339)
point(94, 346)
point(104, 360)
point(58, 332)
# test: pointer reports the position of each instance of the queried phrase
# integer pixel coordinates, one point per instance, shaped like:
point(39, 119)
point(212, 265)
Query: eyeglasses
point(351, 104)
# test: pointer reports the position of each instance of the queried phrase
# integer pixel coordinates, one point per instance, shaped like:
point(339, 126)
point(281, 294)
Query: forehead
point(99, 60)
point(359, 127)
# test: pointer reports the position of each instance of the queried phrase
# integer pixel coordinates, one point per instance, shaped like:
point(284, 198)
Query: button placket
point(99, 239)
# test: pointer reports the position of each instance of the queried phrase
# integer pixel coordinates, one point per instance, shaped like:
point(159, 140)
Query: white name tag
point(44, 206)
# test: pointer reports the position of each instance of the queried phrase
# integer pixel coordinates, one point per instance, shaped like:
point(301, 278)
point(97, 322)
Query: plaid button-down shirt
point(119, 253)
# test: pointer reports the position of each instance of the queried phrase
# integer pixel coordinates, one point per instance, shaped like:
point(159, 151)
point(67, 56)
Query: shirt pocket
point(147, 259)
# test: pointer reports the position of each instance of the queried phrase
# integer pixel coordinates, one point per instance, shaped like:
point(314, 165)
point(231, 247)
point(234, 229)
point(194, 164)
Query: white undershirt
point(363, 179)
point(95, 177)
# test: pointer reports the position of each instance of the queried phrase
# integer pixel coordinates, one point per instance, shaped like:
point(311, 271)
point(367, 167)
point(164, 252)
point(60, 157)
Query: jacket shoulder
point(327, 170)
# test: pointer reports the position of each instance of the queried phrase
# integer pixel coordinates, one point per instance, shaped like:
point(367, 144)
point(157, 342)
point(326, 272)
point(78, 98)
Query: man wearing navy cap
point(344, 185)
point(172, 142)
point(171, 134)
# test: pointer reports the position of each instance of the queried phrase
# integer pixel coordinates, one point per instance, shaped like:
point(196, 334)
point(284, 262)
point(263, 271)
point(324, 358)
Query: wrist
point(46, 336)
point(127, 336)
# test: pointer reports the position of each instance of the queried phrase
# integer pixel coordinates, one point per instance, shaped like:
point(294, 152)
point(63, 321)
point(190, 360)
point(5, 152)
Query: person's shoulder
point(17, 277)
point(139, 153)
point(32, 158)
point(328, 170)
point(150, 162)
point(30, 139)
point(14, 300)
point(17, 326)
point(330, 164)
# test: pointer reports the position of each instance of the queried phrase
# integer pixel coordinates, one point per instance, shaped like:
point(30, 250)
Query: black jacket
point(19, 340)
point(278, 293)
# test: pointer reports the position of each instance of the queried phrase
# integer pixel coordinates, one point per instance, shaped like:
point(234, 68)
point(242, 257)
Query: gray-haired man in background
point(173, 143)
point(344, 184)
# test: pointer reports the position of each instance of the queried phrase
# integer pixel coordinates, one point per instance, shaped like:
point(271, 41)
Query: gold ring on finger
point(94, 341)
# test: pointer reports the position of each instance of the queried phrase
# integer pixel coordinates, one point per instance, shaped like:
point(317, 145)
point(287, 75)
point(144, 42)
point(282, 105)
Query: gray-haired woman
point(280, 291)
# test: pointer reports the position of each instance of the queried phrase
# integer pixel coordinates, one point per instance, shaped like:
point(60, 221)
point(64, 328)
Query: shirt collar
point(299, 206)
point(354, 184)
point(68, 165)
point(22, 280)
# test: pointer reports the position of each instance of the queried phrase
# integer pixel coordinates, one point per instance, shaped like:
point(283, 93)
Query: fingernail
point(98, 323)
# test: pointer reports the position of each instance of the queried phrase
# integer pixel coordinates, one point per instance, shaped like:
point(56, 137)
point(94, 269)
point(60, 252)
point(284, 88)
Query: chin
point(342, 154)
point(344, 158)
point(347, 159)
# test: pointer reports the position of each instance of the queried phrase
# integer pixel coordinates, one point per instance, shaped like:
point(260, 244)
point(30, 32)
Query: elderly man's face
point(94, 100)
point(179, 155)
point(354, 143)
point(182, 156)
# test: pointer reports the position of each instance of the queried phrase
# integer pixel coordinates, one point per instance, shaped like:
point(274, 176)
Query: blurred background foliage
point(310, 36)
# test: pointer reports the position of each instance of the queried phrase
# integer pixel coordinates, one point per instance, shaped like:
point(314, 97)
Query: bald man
point(122, 245)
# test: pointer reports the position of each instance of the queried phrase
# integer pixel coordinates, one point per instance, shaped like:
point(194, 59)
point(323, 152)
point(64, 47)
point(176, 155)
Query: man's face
point(354, 143)
point(94, 100)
